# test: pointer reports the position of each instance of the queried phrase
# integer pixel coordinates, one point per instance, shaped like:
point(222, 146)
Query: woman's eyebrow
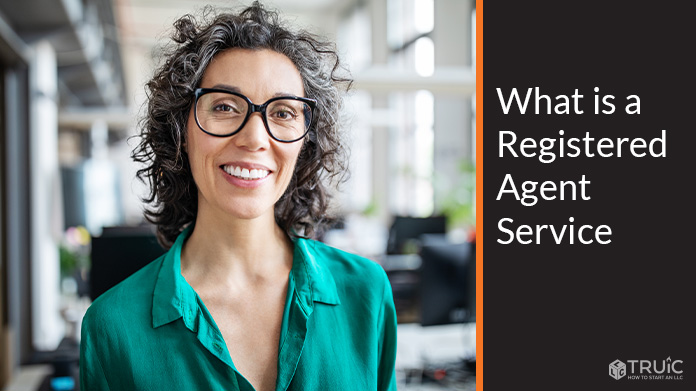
point(277, 94)
point(228, 87)
point(237, 90)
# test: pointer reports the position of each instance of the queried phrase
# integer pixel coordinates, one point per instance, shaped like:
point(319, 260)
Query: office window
point(355, 46)
point(412, 50)
point(411, 168)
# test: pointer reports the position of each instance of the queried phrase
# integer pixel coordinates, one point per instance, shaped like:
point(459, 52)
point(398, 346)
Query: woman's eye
point(223, 107)
point(284, 114)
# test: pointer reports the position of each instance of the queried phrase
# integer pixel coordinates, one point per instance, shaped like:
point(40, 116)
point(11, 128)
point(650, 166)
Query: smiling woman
point(241, 131)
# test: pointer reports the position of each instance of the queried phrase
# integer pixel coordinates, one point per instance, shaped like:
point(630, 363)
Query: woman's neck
point(236, 252)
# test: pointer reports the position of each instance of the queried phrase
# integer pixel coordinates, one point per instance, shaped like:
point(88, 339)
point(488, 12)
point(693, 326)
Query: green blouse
point(152, 331)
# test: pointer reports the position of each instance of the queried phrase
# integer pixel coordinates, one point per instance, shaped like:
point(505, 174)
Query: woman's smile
point(246, 175)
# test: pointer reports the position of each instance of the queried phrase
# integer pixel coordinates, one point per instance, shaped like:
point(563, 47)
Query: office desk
point(420, 350)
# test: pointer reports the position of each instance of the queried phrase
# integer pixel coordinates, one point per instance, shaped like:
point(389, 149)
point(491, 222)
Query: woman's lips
point(245, 175)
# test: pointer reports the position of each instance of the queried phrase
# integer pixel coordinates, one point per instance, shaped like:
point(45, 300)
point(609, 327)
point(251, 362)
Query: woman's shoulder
point(129, 299)
point(360, 284)
point(346, 265)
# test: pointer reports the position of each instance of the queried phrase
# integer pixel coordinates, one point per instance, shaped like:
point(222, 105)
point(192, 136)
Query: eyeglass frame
point(253, 108)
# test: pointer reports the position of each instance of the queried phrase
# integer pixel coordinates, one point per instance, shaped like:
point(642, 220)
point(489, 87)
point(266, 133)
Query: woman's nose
point(253, 135)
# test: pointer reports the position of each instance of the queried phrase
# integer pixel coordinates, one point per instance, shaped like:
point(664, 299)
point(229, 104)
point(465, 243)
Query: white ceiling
point(147, 21)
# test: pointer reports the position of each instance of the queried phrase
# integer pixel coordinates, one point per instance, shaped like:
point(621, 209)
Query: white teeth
point(245, 173)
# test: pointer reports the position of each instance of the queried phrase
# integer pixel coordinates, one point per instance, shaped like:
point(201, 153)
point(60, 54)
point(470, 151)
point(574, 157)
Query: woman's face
point(260, 75)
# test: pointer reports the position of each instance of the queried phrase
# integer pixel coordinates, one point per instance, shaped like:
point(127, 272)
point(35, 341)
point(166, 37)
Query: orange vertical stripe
point(479, 195)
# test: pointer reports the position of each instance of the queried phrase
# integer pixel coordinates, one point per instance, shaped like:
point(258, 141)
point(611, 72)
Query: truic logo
point(664, 370)
point(617, 369)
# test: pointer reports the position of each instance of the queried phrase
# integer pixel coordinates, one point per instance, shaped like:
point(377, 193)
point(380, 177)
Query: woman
point(241, 129)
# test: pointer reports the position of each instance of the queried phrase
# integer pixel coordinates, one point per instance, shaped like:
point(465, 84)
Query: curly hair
point(173, 195)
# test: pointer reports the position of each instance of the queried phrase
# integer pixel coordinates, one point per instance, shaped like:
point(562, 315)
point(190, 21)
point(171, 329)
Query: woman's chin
point(247, 212)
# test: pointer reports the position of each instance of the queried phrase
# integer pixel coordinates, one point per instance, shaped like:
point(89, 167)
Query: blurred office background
point(72, 85)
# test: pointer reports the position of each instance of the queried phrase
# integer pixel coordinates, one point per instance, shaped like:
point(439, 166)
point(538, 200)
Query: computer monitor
point(448, 281)
point(118, 253)
point(406, 230)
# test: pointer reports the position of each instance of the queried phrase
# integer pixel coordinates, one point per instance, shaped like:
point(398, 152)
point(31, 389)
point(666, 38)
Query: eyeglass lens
point(221, 113)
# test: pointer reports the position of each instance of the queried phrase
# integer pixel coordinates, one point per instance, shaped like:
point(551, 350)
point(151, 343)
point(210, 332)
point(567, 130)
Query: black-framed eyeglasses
point(223, 113)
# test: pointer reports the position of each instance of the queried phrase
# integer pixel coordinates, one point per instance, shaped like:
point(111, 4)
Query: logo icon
point(617, 369)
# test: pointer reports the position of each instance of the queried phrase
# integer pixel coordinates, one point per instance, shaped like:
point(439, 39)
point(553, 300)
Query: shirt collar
point(312, 278)
point(174, 298)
